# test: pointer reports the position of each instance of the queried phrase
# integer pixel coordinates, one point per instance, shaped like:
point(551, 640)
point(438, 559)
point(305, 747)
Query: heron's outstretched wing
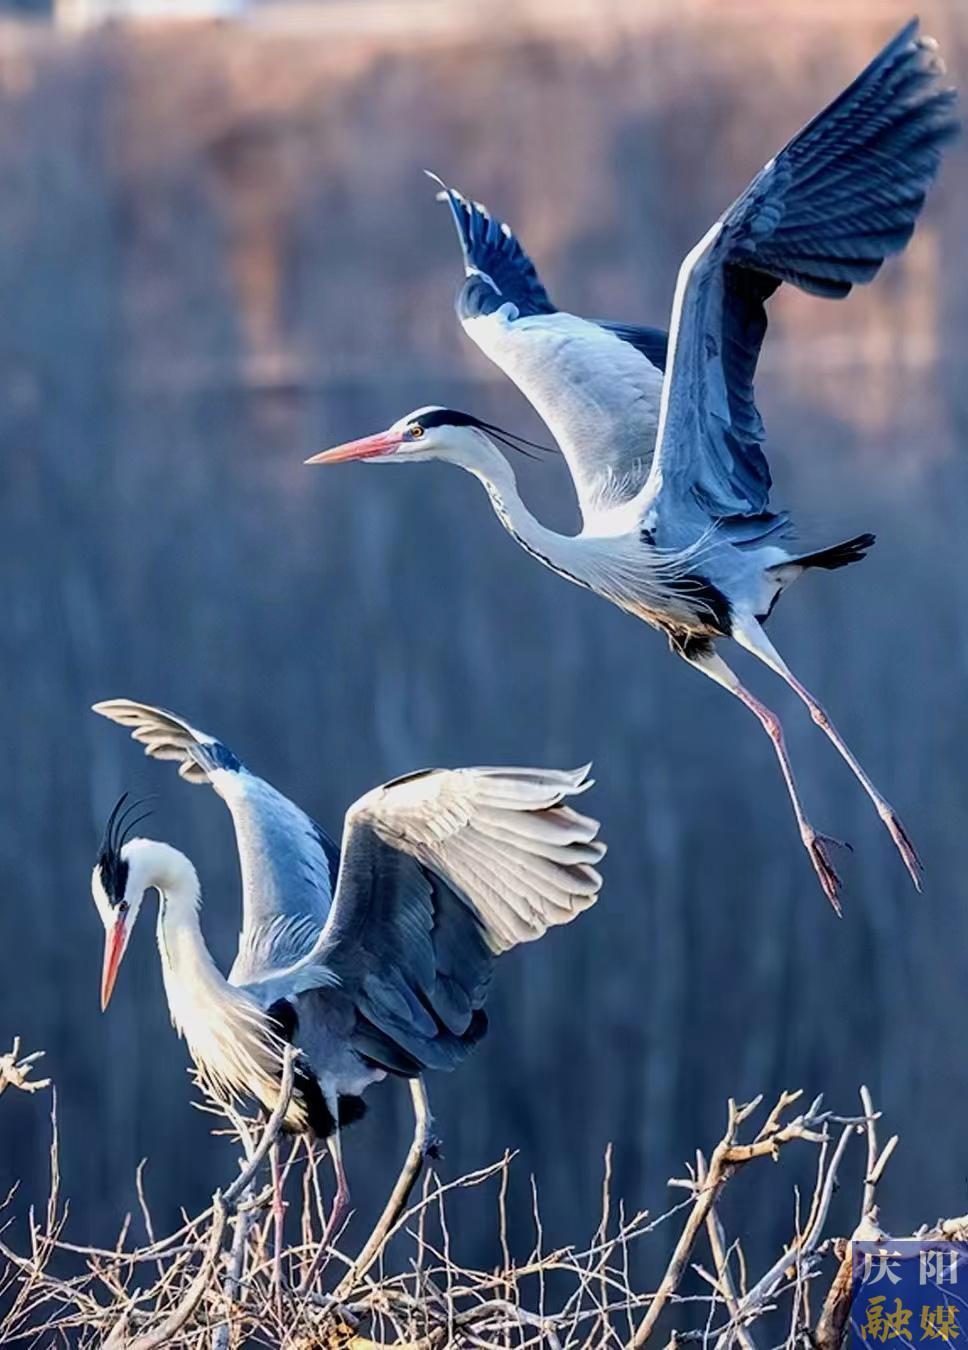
point(441, 872)
point(823, 215)
point(597, 385)
point(287, 862)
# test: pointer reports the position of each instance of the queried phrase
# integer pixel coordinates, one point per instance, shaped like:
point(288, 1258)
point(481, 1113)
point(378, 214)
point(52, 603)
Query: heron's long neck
point(226, 1031)
point(498, 478)
point(193, 983)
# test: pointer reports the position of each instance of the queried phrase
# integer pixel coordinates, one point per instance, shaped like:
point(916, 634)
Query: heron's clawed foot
point(818, 846)
point(904, 845)
point(434, 1148)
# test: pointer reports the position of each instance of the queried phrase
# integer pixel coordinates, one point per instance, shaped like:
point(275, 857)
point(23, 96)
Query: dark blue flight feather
point(822, 215)
point(501, 271)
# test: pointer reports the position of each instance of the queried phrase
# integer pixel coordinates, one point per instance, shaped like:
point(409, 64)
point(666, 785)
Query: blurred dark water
point(218, 254)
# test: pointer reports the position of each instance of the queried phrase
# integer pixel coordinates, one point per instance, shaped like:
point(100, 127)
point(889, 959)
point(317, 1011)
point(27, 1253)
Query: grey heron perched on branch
point(372, 960)
point(664, 442)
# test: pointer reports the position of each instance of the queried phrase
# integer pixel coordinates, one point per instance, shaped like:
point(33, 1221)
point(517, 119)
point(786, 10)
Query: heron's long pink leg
point(337, 1215)
point(278, 1220)
point(750, 634)
point(815, 843)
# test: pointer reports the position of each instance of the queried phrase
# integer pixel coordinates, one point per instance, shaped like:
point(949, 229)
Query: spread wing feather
point(287, 861)
point(823, 215)
point(440, 873)
point(596, 385)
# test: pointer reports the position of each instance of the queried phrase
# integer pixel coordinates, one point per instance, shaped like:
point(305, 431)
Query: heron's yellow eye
point(415, 430)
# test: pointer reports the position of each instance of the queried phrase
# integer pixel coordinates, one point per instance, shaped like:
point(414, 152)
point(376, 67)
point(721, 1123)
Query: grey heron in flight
point(664, 442)
point(371, 960)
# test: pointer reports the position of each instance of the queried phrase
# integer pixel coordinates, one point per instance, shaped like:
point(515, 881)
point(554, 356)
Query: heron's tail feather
point(838, 555)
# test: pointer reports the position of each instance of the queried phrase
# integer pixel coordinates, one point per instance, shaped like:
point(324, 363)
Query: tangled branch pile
point(215, 1281)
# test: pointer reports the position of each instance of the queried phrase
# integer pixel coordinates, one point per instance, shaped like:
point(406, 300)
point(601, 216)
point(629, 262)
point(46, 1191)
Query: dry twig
point(728, 1155)
point(15, 1072)
point(187, 1291)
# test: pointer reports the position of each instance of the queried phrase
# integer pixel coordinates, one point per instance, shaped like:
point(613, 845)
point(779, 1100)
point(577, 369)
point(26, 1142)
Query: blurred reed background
point(217, 255)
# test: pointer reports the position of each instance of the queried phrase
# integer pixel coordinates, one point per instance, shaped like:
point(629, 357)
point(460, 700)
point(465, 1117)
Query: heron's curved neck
point(500, 483)
point(191, 976)
point(226, 1031)
point(192, 979)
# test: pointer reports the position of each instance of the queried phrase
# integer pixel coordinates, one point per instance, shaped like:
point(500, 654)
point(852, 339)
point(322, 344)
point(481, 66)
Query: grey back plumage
point(822, 215)
point(287, 861)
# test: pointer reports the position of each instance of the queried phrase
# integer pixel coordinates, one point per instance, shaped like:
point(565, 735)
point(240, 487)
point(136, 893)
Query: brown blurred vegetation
point(218, 254)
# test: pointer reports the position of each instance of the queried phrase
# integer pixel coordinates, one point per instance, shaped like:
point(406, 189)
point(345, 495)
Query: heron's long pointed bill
point(368, 448)
point(114, 944)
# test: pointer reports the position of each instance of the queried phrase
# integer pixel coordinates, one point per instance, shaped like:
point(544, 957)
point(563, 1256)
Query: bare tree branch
point(187, 1292)
point(420, 1147)
point(729, 1154)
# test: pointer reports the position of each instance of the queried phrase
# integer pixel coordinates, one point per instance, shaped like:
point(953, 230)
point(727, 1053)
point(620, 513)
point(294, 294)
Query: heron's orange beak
point(369, 447)
point(114, 945)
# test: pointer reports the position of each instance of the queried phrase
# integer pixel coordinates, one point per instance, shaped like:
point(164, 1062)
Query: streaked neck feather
point(234, 1048)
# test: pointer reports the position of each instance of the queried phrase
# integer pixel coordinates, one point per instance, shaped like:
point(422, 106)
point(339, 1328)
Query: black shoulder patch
point(284, 1019)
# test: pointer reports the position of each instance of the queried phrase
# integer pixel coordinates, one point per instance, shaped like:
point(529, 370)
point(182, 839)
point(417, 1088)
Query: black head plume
point(450, 417)
point(112, 867)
